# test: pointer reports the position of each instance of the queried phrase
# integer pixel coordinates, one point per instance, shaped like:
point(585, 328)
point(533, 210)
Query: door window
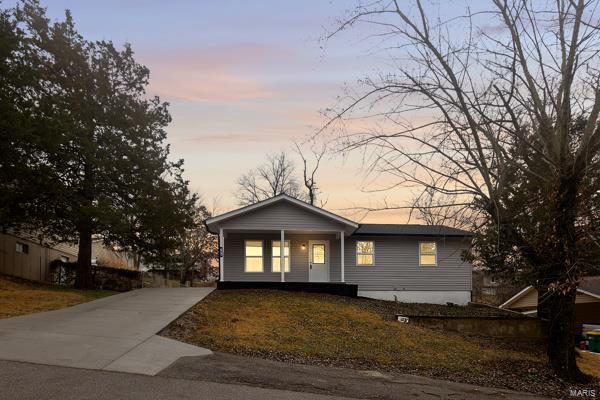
point(318, 253)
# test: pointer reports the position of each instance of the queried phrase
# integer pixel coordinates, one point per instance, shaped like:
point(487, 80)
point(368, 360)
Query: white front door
point(318, 260)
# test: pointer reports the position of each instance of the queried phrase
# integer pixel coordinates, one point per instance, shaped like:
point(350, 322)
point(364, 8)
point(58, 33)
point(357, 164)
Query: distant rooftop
point(410, 230)
point(590, 284)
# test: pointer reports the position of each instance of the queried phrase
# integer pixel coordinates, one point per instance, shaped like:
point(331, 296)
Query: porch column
point(221, 255)
point(342, 255)
point(282, 256)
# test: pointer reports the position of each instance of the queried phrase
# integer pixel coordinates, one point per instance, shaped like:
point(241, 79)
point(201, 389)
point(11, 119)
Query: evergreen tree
point(90, 158)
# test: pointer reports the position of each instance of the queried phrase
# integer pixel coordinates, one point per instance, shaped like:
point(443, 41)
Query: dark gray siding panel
point(397, 265)
point(282, 215)
point(234, 257)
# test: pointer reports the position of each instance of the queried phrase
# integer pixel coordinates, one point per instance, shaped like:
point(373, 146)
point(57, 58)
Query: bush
point(63, 273)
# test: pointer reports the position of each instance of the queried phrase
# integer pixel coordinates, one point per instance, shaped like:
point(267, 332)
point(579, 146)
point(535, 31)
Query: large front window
point(254, 256)
point(276, 257)
point(365, 252)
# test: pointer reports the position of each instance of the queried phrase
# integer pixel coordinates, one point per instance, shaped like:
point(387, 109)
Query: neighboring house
point(485, 283)
point(25, 256)
point(112, 257)
point(587, 302)
point(412, 263)
point(487, 289)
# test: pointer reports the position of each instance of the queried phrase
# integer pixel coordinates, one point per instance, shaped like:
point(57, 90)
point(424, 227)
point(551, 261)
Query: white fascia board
point(589, 293)
point(516, 297)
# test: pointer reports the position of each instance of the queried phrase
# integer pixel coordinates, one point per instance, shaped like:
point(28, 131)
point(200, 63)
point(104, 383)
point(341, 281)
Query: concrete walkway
point(116, 333)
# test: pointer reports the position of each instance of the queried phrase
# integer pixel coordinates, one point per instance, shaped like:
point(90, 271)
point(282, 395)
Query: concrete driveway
point(116, 333)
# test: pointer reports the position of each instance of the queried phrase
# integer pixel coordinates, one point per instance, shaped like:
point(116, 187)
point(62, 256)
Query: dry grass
point(309, 325)
point(332, 330)
point(20, 297)
point(589, 363)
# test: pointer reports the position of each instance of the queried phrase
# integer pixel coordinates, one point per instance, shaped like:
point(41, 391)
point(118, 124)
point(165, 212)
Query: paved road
point(229, 368)
point(115, 333)
point(22, 381)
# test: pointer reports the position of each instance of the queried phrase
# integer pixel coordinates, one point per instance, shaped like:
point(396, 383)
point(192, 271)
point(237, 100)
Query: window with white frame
point(365, 252)
point(22, 248)
point(253, 256)
point(428, 254)
point(276, 256)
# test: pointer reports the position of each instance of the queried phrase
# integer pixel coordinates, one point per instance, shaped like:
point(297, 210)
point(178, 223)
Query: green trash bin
point(594, 341)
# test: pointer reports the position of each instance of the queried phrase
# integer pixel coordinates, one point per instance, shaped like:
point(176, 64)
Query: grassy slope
point(19, 297)
point(323, 329)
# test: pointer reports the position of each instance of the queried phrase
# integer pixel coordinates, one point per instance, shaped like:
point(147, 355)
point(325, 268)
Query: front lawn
point(339, 331)
point(20, 297)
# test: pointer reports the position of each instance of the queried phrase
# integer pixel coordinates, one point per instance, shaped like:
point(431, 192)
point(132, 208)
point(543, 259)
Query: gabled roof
point(517, 296)
point(410, 230)
point(356, 229)
point(280, 198)
point(588, 285)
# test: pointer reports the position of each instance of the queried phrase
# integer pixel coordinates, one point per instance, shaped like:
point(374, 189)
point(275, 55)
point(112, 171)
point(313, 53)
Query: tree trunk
point(83, 279)
point(559, 310)
point(559, 307)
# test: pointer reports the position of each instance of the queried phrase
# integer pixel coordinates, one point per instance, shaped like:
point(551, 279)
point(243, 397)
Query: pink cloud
point(208, 86)
point(229, 138)
point(210, 74)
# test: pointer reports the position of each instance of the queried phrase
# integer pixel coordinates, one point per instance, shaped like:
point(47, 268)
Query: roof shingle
point(409, 230)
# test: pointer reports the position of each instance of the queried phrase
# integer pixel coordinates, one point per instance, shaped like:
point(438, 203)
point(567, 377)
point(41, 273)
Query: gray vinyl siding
point(282, 215)
point(397, 267)
point(396, 262)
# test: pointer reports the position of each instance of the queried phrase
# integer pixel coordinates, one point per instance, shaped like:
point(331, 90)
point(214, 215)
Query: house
point(112, 256)
point(22, 254)
point(587, 302)
point(489, 289)
point(411, 263)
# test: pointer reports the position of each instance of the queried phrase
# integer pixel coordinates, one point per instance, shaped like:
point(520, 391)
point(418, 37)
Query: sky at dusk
point(243, 79)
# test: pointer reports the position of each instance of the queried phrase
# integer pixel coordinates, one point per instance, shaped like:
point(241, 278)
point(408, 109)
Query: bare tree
point(309, 174)
point(199, 247)
point(507, 135)
point(274, 177)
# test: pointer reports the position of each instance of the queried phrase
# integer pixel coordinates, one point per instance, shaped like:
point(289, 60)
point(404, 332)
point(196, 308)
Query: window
point(318, 253)
point(254, 256)
point(64, 259)
point(276, 256)
point(428, 254)
point(22, 248)
point(365, 253)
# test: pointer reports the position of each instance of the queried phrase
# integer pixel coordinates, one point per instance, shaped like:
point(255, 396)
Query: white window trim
point(356, 254)
point(289, 268)
point(24, 248)
point(436, 254)
point(262, 244)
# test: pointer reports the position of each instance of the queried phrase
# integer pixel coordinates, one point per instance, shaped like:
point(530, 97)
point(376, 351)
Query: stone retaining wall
point(501, 327)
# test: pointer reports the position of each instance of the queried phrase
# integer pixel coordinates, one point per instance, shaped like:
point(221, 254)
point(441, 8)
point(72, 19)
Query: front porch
point(255, 256)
